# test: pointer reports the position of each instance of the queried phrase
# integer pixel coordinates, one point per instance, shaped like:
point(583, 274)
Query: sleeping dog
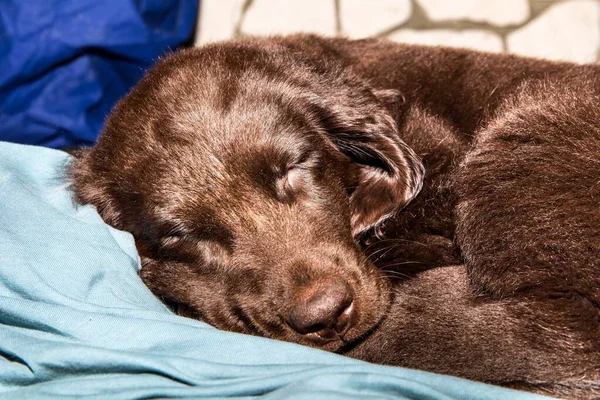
point(424, 207)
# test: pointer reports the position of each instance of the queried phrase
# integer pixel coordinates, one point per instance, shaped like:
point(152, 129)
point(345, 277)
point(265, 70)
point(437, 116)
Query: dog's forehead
point(221, 151)
point(222, 129)
point(232, 80)
point(223, 122)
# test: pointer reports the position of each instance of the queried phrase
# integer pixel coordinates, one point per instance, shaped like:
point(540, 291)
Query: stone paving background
point(554, 29)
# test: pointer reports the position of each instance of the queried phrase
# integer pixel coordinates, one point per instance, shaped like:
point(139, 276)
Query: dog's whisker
point(403, 263)
point(380, 250)
point(385, 253)
point(395, 277)
point(395, 240)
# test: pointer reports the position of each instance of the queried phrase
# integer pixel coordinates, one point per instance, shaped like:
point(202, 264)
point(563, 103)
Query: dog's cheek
point(180, 287)
point(328, 201)
point(168, 281)
point(256, 302)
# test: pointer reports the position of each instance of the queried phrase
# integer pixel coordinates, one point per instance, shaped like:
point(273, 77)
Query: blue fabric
point(75, 319)
point(64, 64)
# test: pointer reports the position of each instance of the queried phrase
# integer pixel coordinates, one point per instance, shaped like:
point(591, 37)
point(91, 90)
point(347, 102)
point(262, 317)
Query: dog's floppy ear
point(90, 187)
point(389, 173)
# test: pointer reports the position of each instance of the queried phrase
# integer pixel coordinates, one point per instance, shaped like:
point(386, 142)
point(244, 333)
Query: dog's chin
point(371, 312)
point(337, 344)
point(343, 344)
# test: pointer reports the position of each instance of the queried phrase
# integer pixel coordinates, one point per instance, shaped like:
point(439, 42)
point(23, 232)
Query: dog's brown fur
point(196, 162)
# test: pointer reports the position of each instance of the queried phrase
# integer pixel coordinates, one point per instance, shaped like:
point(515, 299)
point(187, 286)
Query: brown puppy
point(250, 172)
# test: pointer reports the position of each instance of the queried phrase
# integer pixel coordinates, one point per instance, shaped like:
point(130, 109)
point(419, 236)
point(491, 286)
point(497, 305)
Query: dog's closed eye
point(293, 177)
point(292, 183)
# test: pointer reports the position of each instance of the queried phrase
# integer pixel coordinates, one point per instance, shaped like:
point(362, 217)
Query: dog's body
point(248, 172)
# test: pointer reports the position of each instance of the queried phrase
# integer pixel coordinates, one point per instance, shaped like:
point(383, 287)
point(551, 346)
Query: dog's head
point(245, 174)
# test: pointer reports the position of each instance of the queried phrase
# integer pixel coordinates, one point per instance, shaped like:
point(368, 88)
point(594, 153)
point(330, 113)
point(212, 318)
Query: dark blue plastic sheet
point(64, 64)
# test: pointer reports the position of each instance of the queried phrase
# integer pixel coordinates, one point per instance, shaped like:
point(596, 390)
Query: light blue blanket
point(75, 319)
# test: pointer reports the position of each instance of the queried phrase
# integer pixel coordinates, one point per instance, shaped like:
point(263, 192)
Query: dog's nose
point(325, 309)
